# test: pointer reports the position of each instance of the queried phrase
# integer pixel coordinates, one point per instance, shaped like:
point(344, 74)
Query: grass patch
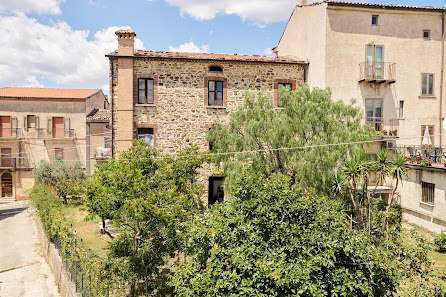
point(87, 231)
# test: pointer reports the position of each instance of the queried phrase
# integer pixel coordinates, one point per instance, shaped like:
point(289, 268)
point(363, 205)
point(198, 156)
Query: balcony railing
point(55, 133)
point(10, 132)
point(388, 127)
point(377, 72)
point(8, 162)
point(416, 154)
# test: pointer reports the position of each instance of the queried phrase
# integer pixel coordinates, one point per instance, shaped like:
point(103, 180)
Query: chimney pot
point(126, 42)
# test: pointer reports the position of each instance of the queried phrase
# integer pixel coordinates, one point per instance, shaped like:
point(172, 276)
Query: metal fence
point(416, 154)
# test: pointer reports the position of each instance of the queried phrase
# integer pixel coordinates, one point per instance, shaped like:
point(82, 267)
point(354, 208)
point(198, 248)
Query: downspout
point(112, 101)
point(442, 75)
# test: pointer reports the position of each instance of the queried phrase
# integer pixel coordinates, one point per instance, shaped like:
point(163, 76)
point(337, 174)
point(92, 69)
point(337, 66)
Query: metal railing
point(55, 133)
point(388, 127)
point(423, 155)
point(377, 71)
point(8, 162)
point(10, 132)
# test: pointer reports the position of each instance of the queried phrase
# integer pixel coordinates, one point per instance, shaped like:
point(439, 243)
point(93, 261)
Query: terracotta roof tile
point(49, 93)
point(99, 115)
point(211, 56)
point(383, 6)
point(125, 31)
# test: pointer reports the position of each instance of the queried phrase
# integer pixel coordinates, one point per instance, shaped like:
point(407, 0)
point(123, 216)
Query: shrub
point(440, 242)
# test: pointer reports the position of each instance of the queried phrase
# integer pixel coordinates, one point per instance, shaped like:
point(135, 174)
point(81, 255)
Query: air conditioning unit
point(391, 144)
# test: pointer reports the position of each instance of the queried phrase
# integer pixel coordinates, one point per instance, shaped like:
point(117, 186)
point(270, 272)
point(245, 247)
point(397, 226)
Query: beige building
point(98, 138)
point(171, 99)
point(38, 124)
point(391, 60)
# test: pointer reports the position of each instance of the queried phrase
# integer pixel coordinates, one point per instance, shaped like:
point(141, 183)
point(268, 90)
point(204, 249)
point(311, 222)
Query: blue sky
point(62, 43)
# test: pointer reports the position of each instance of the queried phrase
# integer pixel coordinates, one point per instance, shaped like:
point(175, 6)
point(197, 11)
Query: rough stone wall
point(180, 115)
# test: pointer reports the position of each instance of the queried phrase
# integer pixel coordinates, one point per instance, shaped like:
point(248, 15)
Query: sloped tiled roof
point(211, 56)
point(100, 115)
point(49, 93)
point(382, 6)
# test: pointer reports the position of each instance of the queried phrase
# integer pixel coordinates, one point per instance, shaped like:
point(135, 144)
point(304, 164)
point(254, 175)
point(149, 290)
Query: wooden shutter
point(37, 122)
point(50, 127)
point(25, 123)
point(14, 126)
point(67, 127)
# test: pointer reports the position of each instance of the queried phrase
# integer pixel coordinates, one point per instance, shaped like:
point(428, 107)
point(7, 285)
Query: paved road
point(23, 271)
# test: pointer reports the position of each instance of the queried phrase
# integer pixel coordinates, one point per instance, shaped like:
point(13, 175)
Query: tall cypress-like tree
point(307, 118)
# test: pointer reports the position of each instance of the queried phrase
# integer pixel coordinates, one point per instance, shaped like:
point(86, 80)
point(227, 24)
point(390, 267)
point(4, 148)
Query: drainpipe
point(442, 75)
point(112, 101)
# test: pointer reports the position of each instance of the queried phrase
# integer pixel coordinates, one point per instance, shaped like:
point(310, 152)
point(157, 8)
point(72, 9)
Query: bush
point(440, 242)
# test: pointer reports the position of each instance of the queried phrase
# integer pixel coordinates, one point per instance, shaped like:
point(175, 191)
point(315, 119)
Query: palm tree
point(356, 170)
point(398, 173)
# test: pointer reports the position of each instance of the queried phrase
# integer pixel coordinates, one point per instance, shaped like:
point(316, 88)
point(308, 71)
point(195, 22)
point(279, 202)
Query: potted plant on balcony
point(426, 162)
point(395, 132)
point(384, 132)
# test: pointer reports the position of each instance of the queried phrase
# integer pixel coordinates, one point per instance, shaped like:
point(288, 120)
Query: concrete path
point(23, 271)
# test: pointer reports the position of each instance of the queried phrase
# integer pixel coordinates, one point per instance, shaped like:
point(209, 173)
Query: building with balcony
point(39, 124)
point(171, 99)
point(390, 59)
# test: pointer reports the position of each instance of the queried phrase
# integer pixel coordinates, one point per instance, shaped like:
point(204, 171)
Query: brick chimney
point(126, 42)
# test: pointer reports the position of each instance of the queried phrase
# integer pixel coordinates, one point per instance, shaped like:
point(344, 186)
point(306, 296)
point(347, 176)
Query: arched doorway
point(6, 184)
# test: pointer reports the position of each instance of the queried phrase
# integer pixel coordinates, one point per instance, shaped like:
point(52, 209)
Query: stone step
point(7, 200)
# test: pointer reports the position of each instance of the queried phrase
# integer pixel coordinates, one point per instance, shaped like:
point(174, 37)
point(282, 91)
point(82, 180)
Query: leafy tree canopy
point(306, 118)
point(146, 196)
point(60, 175)
point(273, 240)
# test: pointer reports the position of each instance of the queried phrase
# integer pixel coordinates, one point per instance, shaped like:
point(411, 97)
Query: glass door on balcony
point(374, 113)
point(375, 58)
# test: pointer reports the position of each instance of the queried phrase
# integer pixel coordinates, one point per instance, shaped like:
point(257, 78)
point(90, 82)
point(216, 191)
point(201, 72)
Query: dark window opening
point(30, 121)
point(216, 193)
point(428, 192)
point(427, 34)
point(215, 69)
point(147, 134)
point(145, 91)
point(374, 20)
point(215, 93)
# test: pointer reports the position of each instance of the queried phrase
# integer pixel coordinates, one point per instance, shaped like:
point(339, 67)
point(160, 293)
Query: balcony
point(7, 162)
point(377, 72)
point(56, 133)
point(387, 127)
point(10, 133)
point(420, 155)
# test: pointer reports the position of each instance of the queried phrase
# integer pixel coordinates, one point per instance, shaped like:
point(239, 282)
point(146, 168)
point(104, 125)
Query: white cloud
point(190, 47)
point(31, 52)
point(27, 6)
point(261, 12)
point(268, 51)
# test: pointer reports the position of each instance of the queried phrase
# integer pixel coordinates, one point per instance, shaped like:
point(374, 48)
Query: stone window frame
point(136, 77)
point(148, 126)
point(206, 91)
point(278, 81)
point(376, 17)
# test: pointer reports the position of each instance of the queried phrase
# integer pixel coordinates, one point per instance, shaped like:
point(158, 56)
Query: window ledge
point(143, 105)
point(427, 97)
point(215, 107)
point(427, 204)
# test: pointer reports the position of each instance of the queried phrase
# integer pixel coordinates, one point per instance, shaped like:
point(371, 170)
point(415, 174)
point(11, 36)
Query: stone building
point(391, 60)
point(98, 138)
point(39, 124)
point(171, 99)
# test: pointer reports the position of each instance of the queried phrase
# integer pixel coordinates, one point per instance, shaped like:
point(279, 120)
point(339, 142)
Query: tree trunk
point(356, 206)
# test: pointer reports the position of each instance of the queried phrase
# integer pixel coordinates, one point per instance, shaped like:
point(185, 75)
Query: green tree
point(60, 175)
point(146, 196)
point(308, 118)
point(272, 239)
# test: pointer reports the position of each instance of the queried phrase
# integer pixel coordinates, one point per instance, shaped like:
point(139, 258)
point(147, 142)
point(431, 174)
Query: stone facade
point(180, 116)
